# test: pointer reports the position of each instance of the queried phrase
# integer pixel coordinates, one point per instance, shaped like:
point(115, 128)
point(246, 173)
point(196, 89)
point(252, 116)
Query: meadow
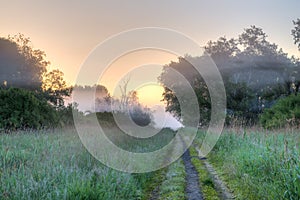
point(258, 164)
point(53, 164)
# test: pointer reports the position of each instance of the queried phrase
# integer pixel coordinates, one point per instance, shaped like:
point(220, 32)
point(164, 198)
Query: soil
point(220, 186)
point(192, 190)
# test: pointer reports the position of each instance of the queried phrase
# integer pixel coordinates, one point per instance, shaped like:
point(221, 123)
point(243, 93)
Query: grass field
point(55, 165)
point(258, 164)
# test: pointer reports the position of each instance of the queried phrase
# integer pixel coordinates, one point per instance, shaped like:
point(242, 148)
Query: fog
point(160, 118)
point(164, 119)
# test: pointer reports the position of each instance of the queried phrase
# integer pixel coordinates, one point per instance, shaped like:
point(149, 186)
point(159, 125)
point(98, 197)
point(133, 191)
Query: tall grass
point(55, 165)
point(259, 165)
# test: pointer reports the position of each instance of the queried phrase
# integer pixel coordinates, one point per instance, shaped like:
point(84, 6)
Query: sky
point(69, 30)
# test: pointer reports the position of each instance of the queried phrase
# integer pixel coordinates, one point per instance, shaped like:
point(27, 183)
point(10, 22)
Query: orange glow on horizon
point(140, 68)
point(150, 95)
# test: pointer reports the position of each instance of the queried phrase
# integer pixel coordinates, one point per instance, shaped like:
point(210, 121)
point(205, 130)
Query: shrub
point(140, 116)
point(21, 109)
point(66, 114)
point(285, 113)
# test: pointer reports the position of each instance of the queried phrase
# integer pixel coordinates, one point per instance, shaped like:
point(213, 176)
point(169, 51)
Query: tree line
point(31, 96)
point(261, 81)
point(256, 75)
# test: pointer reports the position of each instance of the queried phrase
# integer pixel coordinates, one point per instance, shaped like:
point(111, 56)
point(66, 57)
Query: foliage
point(285, 113)
point(66, 114)
point(107, 118)
point(55, 88)
point(296, 32)
point(141, 116)
point(21, 109)
point(21, 65)
point(241, 104)
point(171, 87)
point(239, 97)
point(222, 49)
point(24, 67)
point(253, 40)
point(255, 71)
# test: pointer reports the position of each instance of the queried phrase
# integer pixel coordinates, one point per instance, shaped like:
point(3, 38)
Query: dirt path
point(220, 186)
point(192, 179)
point(192, 190)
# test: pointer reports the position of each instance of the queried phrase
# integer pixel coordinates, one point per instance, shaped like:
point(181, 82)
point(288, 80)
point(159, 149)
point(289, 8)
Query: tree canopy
point(31, 97)
point(21, 65)
point(55, 87)
point(296, 32)
point(255, 71)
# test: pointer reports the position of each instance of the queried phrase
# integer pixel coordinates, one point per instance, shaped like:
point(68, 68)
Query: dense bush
point(21, 109)
point(285, 113)
point(140, 116)
point(66, 114)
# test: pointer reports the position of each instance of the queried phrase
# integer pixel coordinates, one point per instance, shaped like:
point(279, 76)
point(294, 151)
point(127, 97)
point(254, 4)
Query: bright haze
point(69, 30)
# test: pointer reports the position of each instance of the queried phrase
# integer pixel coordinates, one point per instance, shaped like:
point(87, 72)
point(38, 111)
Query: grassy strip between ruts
point(206, 183)
point(173, 187)
point(153, 185)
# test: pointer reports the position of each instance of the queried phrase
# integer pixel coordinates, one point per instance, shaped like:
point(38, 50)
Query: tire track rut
point(192, 180)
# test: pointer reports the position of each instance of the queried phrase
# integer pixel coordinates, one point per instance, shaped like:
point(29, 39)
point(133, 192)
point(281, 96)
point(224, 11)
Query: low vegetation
point(207, 186)
point(22, 109)
point(173, 187)
point(259, 165)
point(284, 114)
point(55, 165)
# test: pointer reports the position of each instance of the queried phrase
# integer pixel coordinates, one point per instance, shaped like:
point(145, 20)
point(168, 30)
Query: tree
point(66, 114)
point(128, 99)
point(124, 100)
point(241, 103)
point(129, 106)
point(21, 65)
point(29, 95)
point(172, 85)
point(253, 40)
point(55, 88)
point(11, 62)
point(296, 32)
point(172, 102)
point(255, 72)
point(222, 50)
point(140, 115)
point(224, 53)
